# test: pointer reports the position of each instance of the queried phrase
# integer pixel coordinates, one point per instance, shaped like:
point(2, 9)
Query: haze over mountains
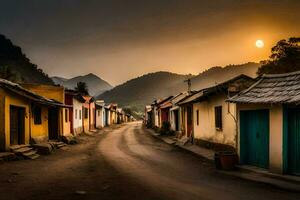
point(134, 94)
point(95, 84)
point(138, 92)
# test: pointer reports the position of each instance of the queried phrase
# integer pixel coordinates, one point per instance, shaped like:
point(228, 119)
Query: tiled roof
point(279, 88)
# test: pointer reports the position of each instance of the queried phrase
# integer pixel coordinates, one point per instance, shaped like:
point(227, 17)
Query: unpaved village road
point(125, 162)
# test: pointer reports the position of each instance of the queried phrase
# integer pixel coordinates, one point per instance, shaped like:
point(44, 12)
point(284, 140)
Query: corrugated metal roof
point(279, 88)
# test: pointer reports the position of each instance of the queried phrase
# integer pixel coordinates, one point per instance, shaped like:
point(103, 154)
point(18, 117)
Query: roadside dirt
point(74, 172)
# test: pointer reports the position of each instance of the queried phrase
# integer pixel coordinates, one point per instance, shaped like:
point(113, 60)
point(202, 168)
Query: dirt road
point(125, 162)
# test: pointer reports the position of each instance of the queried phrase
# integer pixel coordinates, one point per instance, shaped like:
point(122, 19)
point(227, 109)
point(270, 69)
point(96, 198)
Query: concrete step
point(30, 153)
point(15, 147)
point(22, 150)
point(266, 173)
point(7, 156)
point(34, 156)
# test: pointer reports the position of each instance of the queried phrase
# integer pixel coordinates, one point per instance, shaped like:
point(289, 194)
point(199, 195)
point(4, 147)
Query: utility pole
point(189, 83)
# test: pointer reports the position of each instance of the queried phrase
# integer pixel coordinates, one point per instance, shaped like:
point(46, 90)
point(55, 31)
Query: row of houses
point(31, 113)
point(257, 118)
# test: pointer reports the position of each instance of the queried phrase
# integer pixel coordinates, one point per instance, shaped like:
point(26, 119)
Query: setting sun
point(259, 43)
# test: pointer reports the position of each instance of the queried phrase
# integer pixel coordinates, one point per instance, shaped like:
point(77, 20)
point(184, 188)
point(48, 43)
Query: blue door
point(254, 138)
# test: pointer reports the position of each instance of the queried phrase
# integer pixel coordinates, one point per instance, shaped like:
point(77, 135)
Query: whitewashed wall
point(77, 118)
point(99, 118)
point(206, 129)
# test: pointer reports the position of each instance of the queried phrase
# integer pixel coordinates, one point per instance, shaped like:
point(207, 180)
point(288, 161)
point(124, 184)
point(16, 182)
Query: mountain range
point(96, 85)
point(138, 92)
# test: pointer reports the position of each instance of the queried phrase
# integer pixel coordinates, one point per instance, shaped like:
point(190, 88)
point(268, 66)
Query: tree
point(6, 73)
point(82, 88)
point(285, 58)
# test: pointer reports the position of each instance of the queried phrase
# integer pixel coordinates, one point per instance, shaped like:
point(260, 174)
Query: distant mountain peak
point(95, 84)
point(142, 90)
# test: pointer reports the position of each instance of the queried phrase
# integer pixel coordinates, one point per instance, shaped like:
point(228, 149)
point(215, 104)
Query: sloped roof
point(17, 89)
point(204, 93)
point(279, 88)
point(179, 97)
point(190, 98)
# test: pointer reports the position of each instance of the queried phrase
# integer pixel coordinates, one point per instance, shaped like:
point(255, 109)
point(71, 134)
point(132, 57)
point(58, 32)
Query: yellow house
point(23, 115)
point(58, 116)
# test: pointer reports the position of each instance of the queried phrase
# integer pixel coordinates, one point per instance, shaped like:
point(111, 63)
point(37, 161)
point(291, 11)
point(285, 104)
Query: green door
point(293, 144)
point(254, 138)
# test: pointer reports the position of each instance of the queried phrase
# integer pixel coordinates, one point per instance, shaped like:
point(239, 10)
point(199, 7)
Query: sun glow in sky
point(259, 43)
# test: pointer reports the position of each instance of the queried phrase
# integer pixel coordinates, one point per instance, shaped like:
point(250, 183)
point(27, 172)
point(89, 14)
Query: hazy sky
point(122, 39)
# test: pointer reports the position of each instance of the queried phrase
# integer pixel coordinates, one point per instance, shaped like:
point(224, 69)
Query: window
point(197, 116)
point(79, 114)
point(37, 114)
point(98, 113)
point(75, 113)
point(86, 113)
point(66, 115)
point(218, 117)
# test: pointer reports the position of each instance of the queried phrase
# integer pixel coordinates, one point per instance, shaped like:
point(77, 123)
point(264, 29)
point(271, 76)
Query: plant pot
point(226, 160)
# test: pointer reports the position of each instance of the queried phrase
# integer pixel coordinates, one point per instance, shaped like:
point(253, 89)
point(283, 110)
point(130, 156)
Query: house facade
point(86, 114)
point(92, 113)
point(78, 102)
point(175, 112)
point(24, 115)
point(58, 117)
point(268, 123)
point(100, 114)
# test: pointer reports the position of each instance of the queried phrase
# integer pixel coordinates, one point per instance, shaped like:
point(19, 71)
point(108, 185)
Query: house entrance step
point(57, 144)
point(266, 173)
point(24, 151)
point(7, 156)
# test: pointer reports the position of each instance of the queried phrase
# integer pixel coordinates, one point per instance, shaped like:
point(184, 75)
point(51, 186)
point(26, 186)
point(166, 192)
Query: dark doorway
point(189, 121)
point(176, 118)
point(293, 141)
point(17, 125)
point(53, 123)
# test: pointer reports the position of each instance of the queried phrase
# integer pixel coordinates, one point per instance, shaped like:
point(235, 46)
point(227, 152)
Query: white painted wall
point(206, 129)
point(99, 117)
point(172, 119)
point(77, 118)
point(156, 118)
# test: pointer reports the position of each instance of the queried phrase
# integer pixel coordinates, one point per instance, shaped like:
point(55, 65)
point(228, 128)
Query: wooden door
point(254, 138)
point(17, 125)
point(176, 120)
point(293, 144)
point(53, 118)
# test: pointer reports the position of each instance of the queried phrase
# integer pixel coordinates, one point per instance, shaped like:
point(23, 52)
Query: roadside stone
point(80, 192)
point(69, 139)
point(44, 148)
